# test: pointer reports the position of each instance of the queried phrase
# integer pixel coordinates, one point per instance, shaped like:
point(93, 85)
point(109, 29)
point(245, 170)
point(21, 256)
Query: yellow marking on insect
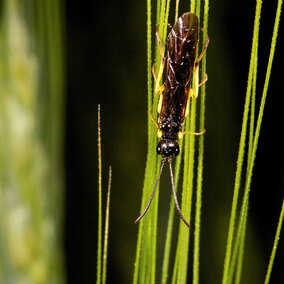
point(160, 90)
point(180, 135)
point(159, 133)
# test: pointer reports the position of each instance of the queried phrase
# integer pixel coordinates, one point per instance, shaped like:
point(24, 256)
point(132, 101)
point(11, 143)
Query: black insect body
point(176, 91)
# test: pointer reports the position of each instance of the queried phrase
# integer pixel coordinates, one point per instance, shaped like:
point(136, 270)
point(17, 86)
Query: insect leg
point(204, 80)
point(181, 133)
point(153, 119)
point(191, 93)
point(159, 89)
point(159, 43)
point(159, 133)
point(194, 93)
point(153, 72)
point(203, 50)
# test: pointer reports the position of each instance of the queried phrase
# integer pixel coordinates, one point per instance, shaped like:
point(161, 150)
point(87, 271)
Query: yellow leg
point(203, 50)
point(159, 133)
point(194, 93)
point(180, 134)
point(152, 118)
point(153, 72)
point(190, 94)
point(159, 88)
point(159, 43)
point(160, 104)
point(204, 80)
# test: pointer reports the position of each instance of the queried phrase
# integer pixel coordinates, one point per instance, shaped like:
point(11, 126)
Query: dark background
point(106, 65)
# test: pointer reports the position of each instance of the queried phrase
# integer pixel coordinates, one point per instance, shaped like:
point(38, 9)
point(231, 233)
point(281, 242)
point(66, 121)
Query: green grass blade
point(275, 244)
point(237, 257)
point(243, 214)
point(272, 50)
point(177, 8)
point(198, 204)
point(193, 6)
point(241, 250)
point(169, 233)
point(150, 133)
point(104, 268)
point(145, 262)
point(264, 95)
point(149, 66)
point(238, 249)
point(166, 21)
point(261, 108)
point(241, 149)
point(151, 228)
point(99, 244)
point(186, 203)
point(187, 191)
point(181, 260)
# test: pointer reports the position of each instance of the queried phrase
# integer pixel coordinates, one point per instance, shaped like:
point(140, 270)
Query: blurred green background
point(95, 53)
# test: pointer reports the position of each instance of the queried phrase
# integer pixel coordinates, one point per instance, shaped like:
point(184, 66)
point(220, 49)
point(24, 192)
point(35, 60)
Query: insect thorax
point(170, 127)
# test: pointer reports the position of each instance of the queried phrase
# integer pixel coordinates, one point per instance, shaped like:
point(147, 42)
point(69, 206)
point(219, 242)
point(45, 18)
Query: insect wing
point(181, 46)
point(181, 51)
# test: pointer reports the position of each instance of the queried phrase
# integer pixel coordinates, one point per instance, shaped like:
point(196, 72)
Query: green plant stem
point(165, 267)
point(192, 6)
point(241, 149)
point(176, 13)
point(275, 244)
point(198, 203)
point(241, 250)
point(240, 239)
point(149, 66)
point(181, 260)
point(186, 205)
point(165, 32)
point(104, 268)
point(243, 214)
point(161, 28)
point(261, 108)
point(145, 262)
point(150, 136)
point(99, 249)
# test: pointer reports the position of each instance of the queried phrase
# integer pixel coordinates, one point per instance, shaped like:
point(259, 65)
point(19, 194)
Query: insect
point(176, 92)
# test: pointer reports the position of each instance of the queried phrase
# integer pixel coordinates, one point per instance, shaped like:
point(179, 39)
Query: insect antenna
point(174, 193)
point(153, 193)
